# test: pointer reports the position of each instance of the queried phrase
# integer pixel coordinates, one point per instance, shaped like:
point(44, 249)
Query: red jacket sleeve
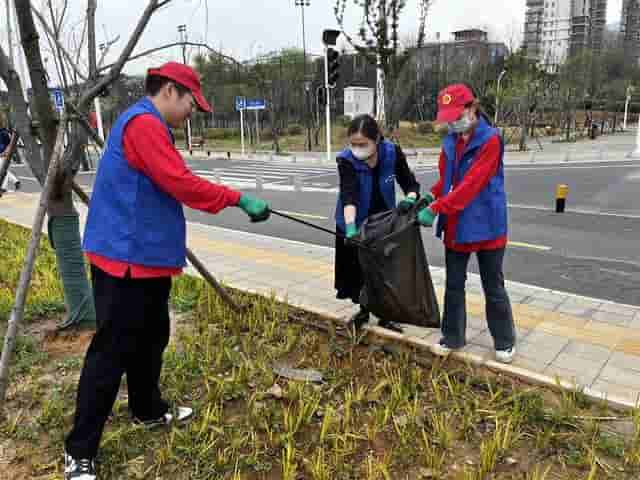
point(476, 179)
point(148, 149)
point(436, 190)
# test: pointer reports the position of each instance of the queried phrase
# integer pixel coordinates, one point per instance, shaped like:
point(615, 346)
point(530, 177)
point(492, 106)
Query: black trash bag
point(397, 282)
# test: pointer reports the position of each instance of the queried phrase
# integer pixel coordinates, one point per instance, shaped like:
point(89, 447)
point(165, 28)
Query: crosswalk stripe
point(224, 173)
point(229, 179)
point(284, 171)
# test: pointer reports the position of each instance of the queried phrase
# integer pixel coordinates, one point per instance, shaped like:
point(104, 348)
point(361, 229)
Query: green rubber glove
point(258, 210)
point(352, 230)
point(426, 217)
point(429, 198)
point(405, 205)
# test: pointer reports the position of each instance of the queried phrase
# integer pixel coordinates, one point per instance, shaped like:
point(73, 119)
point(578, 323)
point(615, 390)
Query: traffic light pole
point(328, 102)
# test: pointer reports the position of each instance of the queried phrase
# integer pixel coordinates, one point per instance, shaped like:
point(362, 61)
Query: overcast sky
point(245, 28)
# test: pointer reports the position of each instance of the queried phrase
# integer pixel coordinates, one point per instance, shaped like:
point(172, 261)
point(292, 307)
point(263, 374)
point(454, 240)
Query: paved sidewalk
point(583, 342)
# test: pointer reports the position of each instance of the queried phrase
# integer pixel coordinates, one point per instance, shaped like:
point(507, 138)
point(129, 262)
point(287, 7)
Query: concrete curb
point(380, 335)
point(383, 335)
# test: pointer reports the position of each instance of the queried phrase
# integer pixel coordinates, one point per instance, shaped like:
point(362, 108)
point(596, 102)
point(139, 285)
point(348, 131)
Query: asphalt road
point(591, 250)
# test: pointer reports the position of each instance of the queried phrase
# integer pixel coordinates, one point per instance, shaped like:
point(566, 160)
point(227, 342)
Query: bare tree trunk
point(63, 224)
point(91, 24)
point(17, 312)
point(31, 46)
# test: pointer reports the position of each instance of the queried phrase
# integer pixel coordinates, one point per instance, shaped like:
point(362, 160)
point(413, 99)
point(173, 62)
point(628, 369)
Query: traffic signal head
point(333, 58)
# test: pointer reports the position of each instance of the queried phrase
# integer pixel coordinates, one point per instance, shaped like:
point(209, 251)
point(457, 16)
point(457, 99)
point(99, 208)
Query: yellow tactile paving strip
point(613, 337)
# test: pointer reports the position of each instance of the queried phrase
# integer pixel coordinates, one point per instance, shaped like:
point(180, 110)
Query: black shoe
point(390, 326)
point(79, 468)
point(359, 319)
point(16, 186)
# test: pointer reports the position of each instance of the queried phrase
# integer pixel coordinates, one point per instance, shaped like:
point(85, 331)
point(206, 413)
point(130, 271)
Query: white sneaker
point(441, 349)
point(181, 414)
point(79, 468)
point(505, 356)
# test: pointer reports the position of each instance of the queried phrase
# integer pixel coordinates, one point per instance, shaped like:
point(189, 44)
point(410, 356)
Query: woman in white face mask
point(471, 203)
point(368, 170)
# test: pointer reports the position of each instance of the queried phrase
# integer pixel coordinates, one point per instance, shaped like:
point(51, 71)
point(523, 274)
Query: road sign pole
point(257, 129)
point(96, 102)
point(242, 129)
point(328, 103)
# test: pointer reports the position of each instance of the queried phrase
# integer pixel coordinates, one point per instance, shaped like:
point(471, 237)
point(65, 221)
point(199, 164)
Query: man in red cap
point(471, 204)
point(135, 239)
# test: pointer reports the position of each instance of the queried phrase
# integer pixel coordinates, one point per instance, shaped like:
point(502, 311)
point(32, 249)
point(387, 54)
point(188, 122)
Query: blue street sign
point(241, 103)
point(57, 96)
point(256, 104)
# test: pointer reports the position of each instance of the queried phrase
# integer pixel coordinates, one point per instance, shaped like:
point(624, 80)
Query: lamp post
point(495, 118)
point(303, 4)
point(98, 107)
point(182, 30)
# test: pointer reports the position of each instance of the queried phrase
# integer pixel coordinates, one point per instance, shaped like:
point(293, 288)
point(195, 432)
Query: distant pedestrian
point(7, 139)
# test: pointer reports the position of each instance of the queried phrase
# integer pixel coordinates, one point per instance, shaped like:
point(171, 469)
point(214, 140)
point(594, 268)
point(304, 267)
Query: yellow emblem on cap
point(447, 99)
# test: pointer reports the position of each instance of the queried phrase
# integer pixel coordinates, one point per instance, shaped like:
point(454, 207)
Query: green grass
point(407, 136)
point(376, 416)
point(45, 297)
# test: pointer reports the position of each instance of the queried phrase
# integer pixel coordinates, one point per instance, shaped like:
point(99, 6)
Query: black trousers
point(133, 327)
point(348, 279)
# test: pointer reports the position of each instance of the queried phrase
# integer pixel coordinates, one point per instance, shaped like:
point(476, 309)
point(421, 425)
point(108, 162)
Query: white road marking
point(577, 211)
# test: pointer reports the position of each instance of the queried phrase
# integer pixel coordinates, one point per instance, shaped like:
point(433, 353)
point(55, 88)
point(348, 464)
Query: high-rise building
point(533, 28)
point(557, 29)
point(581, 34)
point(630, 29)
point(598, 20)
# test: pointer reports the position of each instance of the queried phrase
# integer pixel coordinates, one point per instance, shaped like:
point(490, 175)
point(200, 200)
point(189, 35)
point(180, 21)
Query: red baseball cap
point(452, 101)
point(185, 76)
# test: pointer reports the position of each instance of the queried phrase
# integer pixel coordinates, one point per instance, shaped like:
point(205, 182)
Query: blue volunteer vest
point(130, 219)
point(387, 162)
point(485, 218)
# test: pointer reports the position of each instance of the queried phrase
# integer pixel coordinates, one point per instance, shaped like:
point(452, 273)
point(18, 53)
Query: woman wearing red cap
point(470, 202)
point(135, 239)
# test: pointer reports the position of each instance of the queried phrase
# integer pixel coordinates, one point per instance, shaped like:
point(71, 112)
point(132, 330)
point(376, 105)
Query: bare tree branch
point(56, 40)
point(91, 27)
point(62, 15)
point(88, 96)
point(175, 44)
point(52, 35)
point(17, 312)
point(82, 37)
point(105, 51)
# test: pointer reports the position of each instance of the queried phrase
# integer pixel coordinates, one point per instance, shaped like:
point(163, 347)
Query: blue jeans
point(498, 306)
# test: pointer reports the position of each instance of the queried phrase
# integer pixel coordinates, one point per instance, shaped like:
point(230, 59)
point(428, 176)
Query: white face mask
point(463, 125)
point(364, 153)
